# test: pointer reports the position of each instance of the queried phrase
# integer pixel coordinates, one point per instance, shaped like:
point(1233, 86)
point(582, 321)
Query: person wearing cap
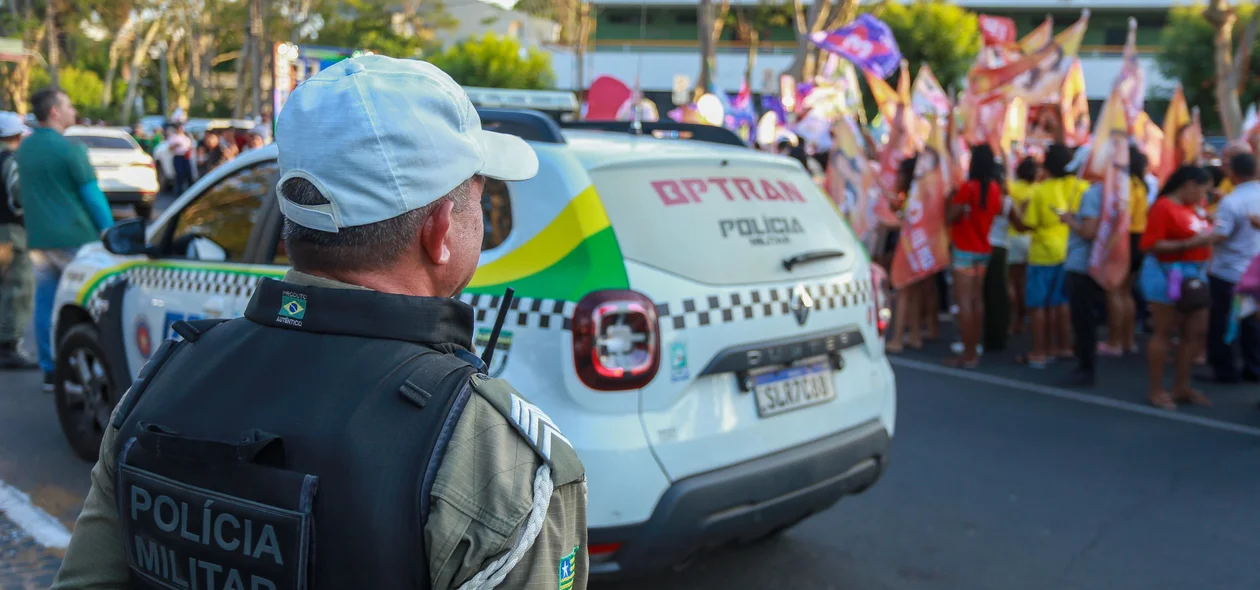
point(343, 434)
point(16, 279)
point(62, 206)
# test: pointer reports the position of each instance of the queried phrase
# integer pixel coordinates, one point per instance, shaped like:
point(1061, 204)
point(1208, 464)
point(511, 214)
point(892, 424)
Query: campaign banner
point(927, 97)
point(1150, 139)
point(996, 30)
point(1036, 77)
point(923, 248)
point(1183, 140)
point(1108, 162)
point(851, 182)
point(867, 42)
point(1074, 106)
point(604, 98)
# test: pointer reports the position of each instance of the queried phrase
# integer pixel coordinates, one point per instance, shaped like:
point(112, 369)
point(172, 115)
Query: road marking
point(45, 529)
point(1076, 396)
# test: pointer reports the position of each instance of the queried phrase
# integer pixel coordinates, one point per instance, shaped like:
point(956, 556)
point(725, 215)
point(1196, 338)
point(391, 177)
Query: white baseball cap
point(380, 136)
point(12, 124)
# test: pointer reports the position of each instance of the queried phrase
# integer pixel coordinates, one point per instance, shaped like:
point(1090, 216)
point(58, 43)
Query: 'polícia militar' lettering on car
point(762, 231)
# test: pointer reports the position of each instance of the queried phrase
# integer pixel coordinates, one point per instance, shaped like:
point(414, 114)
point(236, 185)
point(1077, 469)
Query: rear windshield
point(724, 224)
point(103, 142)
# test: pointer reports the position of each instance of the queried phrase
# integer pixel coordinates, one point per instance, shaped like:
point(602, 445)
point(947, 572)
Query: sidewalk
point(24, 563)
point(1121, 379)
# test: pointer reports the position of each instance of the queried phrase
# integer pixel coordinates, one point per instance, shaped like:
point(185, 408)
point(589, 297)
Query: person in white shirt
point(181, 146)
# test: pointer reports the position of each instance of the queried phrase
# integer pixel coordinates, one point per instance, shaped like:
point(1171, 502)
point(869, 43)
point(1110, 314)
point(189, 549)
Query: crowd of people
point(191, 157)
point(1020, 259)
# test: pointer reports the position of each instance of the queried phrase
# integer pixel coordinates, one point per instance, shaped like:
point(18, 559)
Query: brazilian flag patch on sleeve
point(568, 569)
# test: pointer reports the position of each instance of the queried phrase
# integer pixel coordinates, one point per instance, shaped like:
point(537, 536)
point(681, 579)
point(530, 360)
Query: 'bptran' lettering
point(745, 187)
point(695, 187)
point(686, 191)
point(670, 192)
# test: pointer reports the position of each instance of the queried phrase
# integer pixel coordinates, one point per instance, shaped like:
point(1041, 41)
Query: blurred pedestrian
point(911, 299)
point(1236, 243)
point(1173, 279)
point(1059, 193)
point(970, 214)
point(181, 148)
point(1020, 190)
point(17, 283)
point(1084, 293)
point(256, 140)
point(62, 206)
point(212, 153)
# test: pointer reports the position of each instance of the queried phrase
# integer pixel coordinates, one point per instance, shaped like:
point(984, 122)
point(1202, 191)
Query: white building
point(665, 46)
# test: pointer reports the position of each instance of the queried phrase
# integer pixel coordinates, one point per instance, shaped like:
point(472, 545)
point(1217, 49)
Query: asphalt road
point(998, 481)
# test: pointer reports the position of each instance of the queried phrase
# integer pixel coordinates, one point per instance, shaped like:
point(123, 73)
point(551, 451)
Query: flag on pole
point(1108, 162)
point(867, 42)
point(1182, 141)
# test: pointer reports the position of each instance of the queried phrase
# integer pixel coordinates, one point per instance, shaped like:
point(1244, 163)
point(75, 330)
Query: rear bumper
point(129, 197)
point(746, 501)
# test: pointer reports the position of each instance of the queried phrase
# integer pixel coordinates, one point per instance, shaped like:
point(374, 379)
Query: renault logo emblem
point(801, 304)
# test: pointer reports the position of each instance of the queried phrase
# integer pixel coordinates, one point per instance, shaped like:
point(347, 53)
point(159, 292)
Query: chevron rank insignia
point(536, 426)
point(538, 429)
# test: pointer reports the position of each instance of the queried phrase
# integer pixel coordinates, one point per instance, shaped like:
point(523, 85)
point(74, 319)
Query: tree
point(711, 20)
point(376, 26)
point(83, 87)
point(24, 19)
point(1197, 48)
point(945, 36)
point(821, 15)
point(492, 61)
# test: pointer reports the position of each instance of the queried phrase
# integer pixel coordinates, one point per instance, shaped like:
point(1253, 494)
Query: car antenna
point(506, 304)
point(636, 117)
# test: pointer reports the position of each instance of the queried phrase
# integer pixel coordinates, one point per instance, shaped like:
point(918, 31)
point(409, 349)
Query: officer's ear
point(434, 232)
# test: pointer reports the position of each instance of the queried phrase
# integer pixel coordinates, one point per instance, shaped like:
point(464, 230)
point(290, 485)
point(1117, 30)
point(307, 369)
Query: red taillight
point(603, 549)
point(616, 340)
point(880, 295)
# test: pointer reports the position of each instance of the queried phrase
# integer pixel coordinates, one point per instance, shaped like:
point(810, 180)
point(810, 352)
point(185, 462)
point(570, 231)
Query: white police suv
point(695, 317)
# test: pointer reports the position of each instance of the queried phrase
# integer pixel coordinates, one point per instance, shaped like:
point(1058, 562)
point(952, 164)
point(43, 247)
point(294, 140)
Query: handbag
point(1188, 293)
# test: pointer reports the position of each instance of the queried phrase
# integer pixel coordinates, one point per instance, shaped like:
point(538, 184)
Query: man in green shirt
point(62, 205)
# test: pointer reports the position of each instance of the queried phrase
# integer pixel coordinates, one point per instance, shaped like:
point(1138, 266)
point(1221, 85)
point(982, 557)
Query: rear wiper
point(814, 256)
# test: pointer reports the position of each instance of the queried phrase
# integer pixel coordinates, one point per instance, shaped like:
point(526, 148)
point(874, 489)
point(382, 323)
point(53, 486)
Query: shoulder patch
point(534, 426)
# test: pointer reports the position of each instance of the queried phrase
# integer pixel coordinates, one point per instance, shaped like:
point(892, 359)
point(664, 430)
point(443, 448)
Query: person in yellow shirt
point(1121, 307)
point(1020, 190)
point(1051, 199)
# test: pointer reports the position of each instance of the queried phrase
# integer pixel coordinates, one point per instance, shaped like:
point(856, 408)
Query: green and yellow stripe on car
point(576, 253)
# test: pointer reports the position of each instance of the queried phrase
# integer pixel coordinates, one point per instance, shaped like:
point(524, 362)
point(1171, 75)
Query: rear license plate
point(793, 388)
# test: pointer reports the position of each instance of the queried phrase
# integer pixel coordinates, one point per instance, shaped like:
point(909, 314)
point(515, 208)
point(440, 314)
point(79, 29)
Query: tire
point(84, 412)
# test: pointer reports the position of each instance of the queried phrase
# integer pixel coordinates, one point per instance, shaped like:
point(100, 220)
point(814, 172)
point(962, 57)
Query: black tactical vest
point(293, 448)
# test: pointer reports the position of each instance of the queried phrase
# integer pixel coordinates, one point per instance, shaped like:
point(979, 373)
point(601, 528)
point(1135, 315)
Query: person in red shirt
point(970, 216)
point(1176, 243)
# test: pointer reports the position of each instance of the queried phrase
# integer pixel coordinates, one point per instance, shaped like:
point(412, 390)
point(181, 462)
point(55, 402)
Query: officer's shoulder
point(533, 426)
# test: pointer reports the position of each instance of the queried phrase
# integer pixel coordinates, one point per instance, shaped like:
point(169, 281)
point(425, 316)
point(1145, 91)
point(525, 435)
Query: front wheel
point(85, 390)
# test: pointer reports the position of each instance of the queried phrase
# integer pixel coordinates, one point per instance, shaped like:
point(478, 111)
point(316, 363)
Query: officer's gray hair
point(371, 247)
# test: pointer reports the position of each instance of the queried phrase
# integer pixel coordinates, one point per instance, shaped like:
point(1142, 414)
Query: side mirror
point(126, 237)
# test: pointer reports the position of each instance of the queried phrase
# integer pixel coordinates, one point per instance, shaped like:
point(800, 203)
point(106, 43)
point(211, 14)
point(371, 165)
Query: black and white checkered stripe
point(682, 314)
point(751, 304)
point(524, 312)
point(206, 282)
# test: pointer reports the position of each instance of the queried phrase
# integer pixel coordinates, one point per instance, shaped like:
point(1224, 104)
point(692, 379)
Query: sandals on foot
point(1108, 350)
point(1194, 398)
point(1032, 363)
point(1162, 400)
point(961, 363)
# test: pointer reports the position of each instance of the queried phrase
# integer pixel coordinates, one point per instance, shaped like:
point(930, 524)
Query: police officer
point(343, 434)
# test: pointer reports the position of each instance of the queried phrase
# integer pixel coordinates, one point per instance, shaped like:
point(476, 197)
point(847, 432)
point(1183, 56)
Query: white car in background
point(126, 174)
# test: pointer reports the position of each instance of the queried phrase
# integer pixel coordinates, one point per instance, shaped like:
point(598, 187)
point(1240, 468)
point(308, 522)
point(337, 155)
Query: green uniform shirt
point(481, 500)
point(53, 172)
